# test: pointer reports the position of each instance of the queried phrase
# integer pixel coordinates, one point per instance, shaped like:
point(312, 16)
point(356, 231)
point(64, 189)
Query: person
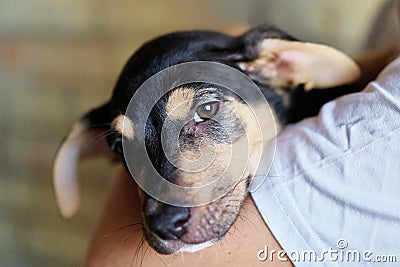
point(333, 186)
point(114, 245)
point(330, 197)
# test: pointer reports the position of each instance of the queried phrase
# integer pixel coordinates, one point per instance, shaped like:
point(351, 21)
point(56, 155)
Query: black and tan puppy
point(286, 70)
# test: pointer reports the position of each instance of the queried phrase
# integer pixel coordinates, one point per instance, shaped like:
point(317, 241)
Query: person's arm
point(118, 239)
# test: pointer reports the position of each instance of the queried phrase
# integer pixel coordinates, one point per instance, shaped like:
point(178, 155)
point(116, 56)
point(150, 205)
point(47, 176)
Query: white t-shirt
point(334, 184)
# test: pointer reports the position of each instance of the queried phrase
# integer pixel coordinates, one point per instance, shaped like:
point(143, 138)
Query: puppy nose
point(170, 223)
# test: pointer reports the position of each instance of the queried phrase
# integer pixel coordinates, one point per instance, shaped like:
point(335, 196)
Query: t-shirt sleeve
point(335, 179)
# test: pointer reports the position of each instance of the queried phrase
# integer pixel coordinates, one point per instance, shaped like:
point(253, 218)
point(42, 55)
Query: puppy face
point(216, 133)
point(198, 133)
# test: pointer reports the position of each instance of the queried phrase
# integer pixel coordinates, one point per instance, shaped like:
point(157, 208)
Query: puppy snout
point(169, 222)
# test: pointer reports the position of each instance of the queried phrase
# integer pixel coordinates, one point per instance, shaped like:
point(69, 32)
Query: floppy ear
point(86, 139)
point(289, 63)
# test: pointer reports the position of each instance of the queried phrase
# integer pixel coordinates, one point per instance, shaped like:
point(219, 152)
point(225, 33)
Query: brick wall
point(60, 58)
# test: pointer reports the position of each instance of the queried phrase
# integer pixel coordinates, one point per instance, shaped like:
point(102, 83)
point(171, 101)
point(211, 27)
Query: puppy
point(288, 73)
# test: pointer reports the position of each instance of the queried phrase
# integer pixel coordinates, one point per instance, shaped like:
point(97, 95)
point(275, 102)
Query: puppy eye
point(116, 145)
point(206, 111)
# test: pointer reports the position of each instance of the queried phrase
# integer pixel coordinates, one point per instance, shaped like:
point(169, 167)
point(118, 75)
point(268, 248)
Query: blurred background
point(59, 58)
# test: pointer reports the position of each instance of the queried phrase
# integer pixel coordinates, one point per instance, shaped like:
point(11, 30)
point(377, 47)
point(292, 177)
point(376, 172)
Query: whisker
point(162, 261)
point(95, 125)
point(137, 250)
point(122, 240)
point(101, 136)
point(235, 184)
point(127, 215)
point(132, 234)
point(113, 248)
point(144, 254)
point(114, 231)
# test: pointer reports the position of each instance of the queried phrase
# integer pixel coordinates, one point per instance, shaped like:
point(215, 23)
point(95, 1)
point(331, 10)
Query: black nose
point(169, 222)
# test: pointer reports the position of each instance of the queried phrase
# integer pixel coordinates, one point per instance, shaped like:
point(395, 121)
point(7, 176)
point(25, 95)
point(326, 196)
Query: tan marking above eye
point(123, 125)
point(179, 102)
point(253, 140)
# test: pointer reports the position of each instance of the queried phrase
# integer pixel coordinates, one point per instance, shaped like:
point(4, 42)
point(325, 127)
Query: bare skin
point(118, 240)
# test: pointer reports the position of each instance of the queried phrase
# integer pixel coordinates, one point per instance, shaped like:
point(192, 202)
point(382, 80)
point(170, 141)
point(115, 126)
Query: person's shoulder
point(388, 81)
point(344, 124)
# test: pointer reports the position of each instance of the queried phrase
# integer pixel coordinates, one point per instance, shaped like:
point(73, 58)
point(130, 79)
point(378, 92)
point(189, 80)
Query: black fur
point(180, 47)
point(171, 49)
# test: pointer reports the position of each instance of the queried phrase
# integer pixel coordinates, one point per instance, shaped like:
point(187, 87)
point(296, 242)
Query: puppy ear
point(289, 63)
point(86, 139)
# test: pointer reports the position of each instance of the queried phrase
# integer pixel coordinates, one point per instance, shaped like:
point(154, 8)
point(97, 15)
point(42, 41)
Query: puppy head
point(198, 132)
point(216, 137)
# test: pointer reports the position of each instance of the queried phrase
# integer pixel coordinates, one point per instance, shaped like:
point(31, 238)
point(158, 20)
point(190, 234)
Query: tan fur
point(256, 138)
point(80, 143)
point(284, 63)
point(179, 103)
point(219, 159)
point(225, 165)
point(212, 220)
point(229, 163)
point(123, 125)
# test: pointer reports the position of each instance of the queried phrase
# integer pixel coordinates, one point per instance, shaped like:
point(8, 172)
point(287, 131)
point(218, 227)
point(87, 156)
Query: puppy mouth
point(174, 246)
point(169, 229)
point(201, 232)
